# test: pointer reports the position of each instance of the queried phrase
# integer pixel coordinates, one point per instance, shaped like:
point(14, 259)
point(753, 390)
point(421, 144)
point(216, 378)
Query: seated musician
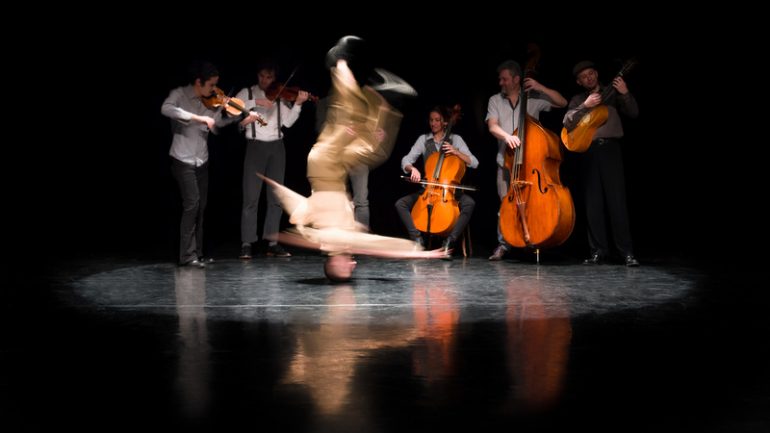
point(426, 145)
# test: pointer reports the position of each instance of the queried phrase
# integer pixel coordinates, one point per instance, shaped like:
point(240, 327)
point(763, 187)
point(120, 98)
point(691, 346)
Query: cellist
point(502, 120)
point(427, 144)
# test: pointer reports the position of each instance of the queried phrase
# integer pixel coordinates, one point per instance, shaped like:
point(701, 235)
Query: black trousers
point(604, 185)
point(194, 186)
point(405, 204)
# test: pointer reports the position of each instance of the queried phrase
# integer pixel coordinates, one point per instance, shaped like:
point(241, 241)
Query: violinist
point(502, 120)
point(602, 165)
point(265, 154)
point(191, 121)
point(426, 144)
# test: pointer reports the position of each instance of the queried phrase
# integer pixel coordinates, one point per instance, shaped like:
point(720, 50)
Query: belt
point(602, 141)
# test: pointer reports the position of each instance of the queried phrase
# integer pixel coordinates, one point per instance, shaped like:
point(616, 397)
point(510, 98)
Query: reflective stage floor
point(108, 344)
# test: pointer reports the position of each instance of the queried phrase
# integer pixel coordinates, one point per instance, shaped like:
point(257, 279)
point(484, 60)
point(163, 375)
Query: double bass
point(579, 138)
point(538, 210)
point(437, 210)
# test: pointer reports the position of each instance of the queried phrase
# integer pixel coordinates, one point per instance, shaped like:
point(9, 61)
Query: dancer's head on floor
point(339, 267)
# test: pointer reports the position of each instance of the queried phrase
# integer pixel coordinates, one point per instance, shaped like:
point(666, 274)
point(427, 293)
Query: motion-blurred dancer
point(360, 130)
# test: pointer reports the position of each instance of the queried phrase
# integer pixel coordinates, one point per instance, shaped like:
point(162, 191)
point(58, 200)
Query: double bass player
point(502, 120)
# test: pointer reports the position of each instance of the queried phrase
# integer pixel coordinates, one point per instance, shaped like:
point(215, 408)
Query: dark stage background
point(106, 185)
point(89, 197)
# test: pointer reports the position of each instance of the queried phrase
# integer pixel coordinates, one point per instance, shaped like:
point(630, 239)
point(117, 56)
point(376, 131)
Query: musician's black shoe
point(631, 262)
point(277, 251)
point(245, 252)
point(595, 259)
point(193, 264)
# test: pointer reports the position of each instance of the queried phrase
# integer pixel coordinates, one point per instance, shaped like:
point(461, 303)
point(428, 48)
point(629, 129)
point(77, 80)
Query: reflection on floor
point(270, 345)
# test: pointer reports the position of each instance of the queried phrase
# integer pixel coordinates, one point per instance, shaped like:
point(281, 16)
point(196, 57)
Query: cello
point(437, 210)
point(580, 137)
point(538, 210)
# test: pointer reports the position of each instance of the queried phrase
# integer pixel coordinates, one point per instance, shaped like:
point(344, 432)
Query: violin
point(234, 106)
point(279, 90)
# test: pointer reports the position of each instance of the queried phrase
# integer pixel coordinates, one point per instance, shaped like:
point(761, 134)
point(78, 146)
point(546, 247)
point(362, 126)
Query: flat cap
point(581, 66)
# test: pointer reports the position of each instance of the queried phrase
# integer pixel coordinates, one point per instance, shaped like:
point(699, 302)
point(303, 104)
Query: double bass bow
point(537, 211)
point(436, 210)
